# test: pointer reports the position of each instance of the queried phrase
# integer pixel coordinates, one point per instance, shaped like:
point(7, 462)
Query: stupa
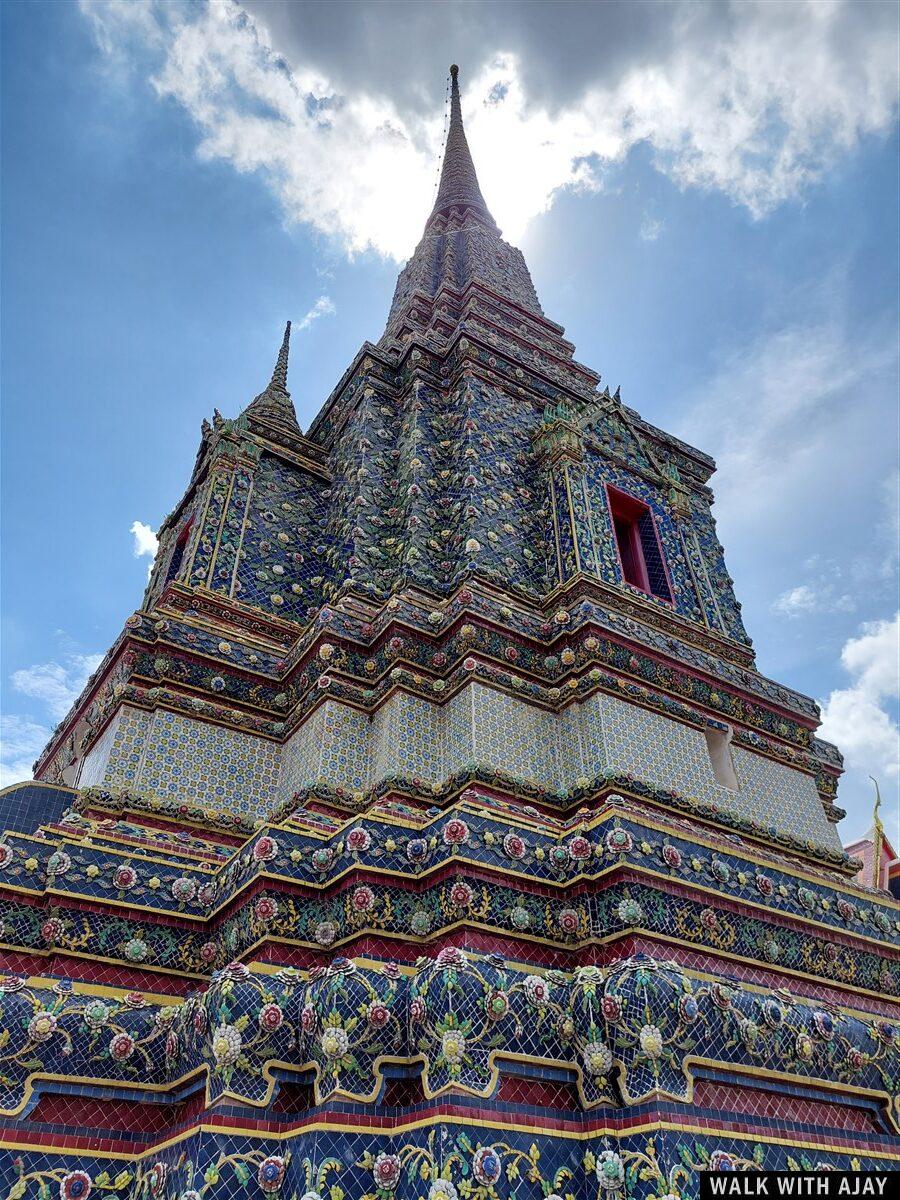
point(429, 831)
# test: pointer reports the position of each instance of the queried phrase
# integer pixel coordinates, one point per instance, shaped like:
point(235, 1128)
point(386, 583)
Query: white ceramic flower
point(226, 1045)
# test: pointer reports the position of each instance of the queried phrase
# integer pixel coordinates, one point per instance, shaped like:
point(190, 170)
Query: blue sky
point(709, 206)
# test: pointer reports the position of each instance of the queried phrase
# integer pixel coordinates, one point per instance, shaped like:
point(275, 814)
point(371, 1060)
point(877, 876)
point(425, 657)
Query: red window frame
point(177, 556)
point(626, 514)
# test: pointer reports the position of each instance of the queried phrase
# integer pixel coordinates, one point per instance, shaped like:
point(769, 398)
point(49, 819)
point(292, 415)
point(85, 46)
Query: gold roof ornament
point(877, 836)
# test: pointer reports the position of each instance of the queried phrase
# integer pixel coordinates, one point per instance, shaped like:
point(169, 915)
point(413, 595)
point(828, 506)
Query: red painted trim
point(850, 1135)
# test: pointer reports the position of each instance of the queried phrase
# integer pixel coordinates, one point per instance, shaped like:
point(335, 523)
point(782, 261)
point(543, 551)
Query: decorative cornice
point(627, 1033)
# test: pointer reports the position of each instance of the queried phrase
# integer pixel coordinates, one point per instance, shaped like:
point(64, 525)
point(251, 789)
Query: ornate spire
point(460, 245)
point(274, 405)
point(279, 375)
point(459, 182)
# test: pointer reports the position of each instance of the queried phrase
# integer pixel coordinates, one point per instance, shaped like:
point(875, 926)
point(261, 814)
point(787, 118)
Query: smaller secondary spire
point(274, 405)
point(877, 836)
point(279, 375)
point(459, 182)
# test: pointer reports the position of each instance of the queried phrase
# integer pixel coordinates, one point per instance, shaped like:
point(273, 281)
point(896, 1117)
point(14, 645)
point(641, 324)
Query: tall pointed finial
point(279, 375)
point(459, 183)
point(875, 817)
point(877, 836)
point(455, 106)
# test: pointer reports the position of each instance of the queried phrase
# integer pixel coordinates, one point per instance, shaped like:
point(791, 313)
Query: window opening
point(178, 553)
point(718, 743)
point(638, 544)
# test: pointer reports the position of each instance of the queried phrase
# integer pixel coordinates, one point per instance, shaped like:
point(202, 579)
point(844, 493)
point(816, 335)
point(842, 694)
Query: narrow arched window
point(178, 552)
point(637, 541)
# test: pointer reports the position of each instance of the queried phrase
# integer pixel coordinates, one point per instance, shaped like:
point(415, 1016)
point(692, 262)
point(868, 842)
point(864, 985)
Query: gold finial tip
point(454, 70)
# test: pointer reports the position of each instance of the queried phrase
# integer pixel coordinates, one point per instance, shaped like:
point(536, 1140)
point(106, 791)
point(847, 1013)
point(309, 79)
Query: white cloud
point(21, 741)
point(822, 597)
point(56, 685)
point(323, 307)
point(754, 100)
point(145, 541)
point(797, 601)
point(874, 658)
point(651, 228)
point(117, 23)
point(856, 718)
